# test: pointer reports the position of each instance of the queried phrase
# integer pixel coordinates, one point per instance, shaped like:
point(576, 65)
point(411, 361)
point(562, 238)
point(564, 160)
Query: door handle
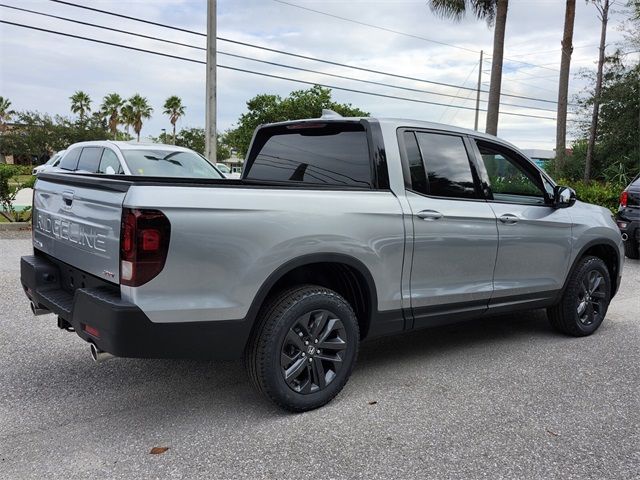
point(68, 198)
point(508, 219)
point(429, 215)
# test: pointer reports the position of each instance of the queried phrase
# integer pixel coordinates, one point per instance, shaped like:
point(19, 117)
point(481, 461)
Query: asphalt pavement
point(504, 397)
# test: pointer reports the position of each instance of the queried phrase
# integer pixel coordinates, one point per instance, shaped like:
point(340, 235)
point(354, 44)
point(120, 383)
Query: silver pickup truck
point(340, 229)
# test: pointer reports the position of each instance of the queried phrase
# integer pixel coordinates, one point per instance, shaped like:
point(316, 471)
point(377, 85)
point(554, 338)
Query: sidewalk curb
point(14, 226)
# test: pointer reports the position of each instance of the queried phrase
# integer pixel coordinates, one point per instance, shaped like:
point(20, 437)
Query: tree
point(299, 104)
point(38, 135)
point(174, 108)
point(193, 138)
point(140, 111)
point(126, 114)
point(494, 12)
point(111, 105)
point(603, 13)
point(80, 104)
point(563, 83)
point(5, 113)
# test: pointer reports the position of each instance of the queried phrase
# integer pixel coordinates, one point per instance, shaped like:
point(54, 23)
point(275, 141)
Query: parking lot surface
point(503, 397)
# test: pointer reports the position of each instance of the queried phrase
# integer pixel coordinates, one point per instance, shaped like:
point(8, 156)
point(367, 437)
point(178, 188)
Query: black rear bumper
point(100, 316)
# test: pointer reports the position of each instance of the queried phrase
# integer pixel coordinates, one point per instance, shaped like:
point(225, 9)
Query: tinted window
point(169, 163)
point(70, 159)
point(319, 154)
point(109, 163)
point(416, 167)
point(90, 159)
point(510, 181)
point(448, 168)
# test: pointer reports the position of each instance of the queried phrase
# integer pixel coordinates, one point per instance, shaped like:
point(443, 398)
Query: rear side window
point(416, 167)
point(447, 164)
point(320, 154)
point(70, 159)
point(90, 159)
point(109, 164)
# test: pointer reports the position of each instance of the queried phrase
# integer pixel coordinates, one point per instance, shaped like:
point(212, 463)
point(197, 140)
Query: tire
point(585, 300)
point(632, 249)
point(298, 327)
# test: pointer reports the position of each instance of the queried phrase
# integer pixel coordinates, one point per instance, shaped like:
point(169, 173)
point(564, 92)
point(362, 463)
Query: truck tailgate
point(79, 224)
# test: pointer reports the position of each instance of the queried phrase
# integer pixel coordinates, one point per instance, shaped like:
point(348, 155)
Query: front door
point(534, 238)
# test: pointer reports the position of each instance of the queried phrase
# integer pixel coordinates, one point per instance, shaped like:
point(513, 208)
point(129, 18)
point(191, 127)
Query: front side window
point(168, 163)
point(510, 181)
point(447, 164)
point(320, 154)
point(70, 159)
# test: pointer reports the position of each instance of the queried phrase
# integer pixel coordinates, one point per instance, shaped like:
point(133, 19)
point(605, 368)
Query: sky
point(39, 71)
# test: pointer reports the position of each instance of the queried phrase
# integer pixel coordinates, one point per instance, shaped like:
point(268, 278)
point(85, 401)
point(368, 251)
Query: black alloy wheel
point(312, 351)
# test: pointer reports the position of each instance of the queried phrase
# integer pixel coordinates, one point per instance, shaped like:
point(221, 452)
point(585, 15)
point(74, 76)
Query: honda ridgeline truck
point(340, 229)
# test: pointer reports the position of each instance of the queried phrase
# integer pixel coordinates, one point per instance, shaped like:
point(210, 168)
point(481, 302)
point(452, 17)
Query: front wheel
point(304, 348)
point(585, 300)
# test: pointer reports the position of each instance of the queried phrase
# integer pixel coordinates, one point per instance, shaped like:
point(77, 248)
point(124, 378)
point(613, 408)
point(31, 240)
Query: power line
point(344, 77)
point(177, 57)
point(378, 27)
point(296, 55)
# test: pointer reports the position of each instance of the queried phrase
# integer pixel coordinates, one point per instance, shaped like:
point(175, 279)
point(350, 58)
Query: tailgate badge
point(108, 274)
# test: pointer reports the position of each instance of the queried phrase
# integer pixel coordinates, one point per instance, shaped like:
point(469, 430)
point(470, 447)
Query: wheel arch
point(604, 249)
point(343, 273)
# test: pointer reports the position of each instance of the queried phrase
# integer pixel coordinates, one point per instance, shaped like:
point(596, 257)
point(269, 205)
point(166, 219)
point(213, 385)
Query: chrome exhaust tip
point(625, 237)
point(38, 311)
point(98, 355)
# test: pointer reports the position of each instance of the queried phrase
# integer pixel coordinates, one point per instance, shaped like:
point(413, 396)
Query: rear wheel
point(632, 249)
point(585, 300)
point(304, 349)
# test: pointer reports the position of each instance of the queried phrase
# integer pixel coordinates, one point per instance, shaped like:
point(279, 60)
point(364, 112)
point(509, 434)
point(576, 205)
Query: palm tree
point(603, 14)
point(140, 110)
point(563, 84)
point(111, 105)
point(5, 112)
point(126, 115)
point(80, 104)
point(174, 108)
point(494, 12)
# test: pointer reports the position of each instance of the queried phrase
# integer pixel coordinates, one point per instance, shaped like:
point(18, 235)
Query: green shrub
point(604, 194)
point(9, 188)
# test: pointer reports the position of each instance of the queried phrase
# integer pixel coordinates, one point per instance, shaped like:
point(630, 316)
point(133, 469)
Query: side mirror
point(563, 197)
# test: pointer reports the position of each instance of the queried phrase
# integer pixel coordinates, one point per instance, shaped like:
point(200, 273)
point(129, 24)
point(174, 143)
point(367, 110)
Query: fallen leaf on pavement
point(158, 450)
point(373, 402)
point(553, 434)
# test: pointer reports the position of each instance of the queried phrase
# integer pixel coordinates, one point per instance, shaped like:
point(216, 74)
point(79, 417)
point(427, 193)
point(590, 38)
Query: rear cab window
point(331, 153)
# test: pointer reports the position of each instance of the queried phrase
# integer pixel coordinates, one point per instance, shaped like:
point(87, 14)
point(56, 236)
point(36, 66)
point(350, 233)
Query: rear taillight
point(624, 198)
point(144, 243)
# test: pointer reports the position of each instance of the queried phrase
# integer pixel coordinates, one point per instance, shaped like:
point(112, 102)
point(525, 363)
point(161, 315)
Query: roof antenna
point(328, 114)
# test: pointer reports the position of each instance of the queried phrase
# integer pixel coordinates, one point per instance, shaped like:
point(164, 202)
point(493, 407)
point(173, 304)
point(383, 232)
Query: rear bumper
point(629, 226)
point(100, 316)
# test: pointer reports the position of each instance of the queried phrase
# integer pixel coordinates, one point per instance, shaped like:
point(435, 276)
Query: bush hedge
point(599, 193)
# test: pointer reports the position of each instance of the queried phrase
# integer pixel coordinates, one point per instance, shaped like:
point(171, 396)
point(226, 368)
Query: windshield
point(167, 163)
point(223, 168)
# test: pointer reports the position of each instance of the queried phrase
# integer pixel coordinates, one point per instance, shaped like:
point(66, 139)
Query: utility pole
point(475, 124)
point(210, 97)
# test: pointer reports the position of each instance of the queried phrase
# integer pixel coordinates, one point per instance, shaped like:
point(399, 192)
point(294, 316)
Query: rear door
point(455, 235)
point(78, 222)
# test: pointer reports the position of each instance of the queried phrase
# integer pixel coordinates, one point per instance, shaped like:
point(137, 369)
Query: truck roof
point(399, 123)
